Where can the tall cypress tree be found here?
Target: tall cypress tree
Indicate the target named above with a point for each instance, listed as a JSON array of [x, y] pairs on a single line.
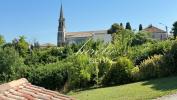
[[121, 25], [128, 26], [140, 27], [174, 29]]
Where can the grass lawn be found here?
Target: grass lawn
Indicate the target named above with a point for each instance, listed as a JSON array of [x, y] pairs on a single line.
[[136, 91]]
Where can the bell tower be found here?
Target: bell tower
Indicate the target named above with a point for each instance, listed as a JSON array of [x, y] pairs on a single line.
[[61, 29]]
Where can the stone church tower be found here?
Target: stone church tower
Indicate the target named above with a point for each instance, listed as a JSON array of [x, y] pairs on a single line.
[[61, 29]]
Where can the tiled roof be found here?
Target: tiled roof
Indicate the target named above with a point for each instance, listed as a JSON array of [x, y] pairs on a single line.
[[84, 34], [79, 34], [23, 90], [153, 29]]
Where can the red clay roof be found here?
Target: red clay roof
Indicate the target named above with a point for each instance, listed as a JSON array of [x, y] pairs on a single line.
[[23, 90], [153, 29]]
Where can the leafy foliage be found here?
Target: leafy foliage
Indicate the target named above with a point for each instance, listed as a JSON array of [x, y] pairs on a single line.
[[93, 63], [119, 72], [21, 45], [51, 76], [104, 65], [115, 28], [2, 40], [81, 71], [11, 64], [122, 43], [141, 38], [150, 68]]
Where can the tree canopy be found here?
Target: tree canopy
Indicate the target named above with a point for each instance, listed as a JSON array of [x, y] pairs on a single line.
[[115, 28]]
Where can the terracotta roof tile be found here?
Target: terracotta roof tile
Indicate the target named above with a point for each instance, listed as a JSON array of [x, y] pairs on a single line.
[[23, 90], [153, 29]]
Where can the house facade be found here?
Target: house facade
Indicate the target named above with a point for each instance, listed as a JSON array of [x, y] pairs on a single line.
[[157, 33]]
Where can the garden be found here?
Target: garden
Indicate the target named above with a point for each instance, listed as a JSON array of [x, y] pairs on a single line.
[[130, 57]]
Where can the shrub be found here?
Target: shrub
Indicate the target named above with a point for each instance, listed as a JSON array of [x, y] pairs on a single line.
[[42, 56], [150, 68], [104, 66], [170, 60], [81, 71], [173, 53], [168, 67], [119, 72], [141, 38], [135, 74], [140, 53], [51, 76]]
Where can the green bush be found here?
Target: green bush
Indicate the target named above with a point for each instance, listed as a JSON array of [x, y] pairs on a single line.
[[150, 68], [51, 76], [141, 53], [170, 60], [11, 65], [38, 57], [81, 71], [104, 66], [119, 72], [135, 74], [141, 38], [173, 53]]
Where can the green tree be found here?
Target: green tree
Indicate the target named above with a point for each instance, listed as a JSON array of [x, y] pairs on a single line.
[[128, 26], [122, 43], [11, 64], [140, 27], [121, 24], [21, 45], [141, 38], [2, 40], [115, 28], [174, 29]]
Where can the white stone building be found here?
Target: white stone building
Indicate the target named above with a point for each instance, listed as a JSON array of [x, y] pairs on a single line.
[[77, 37]]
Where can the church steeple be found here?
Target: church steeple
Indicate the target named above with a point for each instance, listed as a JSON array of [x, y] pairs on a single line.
[[61, 29], [61, 12]]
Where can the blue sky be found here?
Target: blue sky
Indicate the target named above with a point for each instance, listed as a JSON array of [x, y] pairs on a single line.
[[38, 19]]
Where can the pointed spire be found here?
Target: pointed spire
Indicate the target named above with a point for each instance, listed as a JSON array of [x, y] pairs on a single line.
[[61, 13], [61, 29]]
